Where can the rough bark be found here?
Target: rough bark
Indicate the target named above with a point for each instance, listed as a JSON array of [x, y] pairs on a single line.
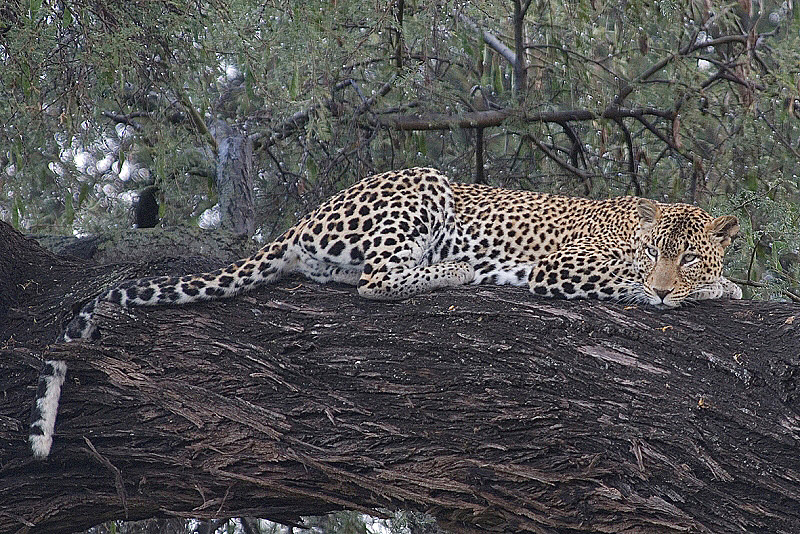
[[484, 406], [146, 245]]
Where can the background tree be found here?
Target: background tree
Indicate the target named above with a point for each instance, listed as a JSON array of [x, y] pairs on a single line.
[[684, 101], [687, 101]]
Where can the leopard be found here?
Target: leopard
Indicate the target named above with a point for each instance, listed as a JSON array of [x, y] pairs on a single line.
[[401, 233]]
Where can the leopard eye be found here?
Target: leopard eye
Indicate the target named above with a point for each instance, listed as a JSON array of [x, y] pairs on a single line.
[[652, 252], [689, 258]]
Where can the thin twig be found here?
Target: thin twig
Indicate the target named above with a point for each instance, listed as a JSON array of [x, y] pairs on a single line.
[[197, 120], [752, 283], [778, 134]]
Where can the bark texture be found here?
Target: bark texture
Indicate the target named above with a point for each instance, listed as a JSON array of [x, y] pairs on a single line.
[[487, 407]]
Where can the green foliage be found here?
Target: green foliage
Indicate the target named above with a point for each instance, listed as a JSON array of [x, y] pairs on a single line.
[[767, 250], [102, 98]]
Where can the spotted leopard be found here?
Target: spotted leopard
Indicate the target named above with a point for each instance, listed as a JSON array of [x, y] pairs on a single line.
[[397, 234]]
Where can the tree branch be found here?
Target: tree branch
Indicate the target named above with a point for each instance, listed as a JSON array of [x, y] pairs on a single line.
[[655, 131], [300, 118], [197, 120], [487, 407], [585, 176], [520, 64], [631, 157], [489, 38], [480, 174], [128, 118], [692, 46], [484, 119]]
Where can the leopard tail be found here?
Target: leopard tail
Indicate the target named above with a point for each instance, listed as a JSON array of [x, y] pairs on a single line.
[[267, 265]]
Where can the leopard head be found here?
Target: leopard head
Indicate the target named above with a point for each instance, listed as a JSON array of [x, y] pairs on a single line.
[[679, 251]]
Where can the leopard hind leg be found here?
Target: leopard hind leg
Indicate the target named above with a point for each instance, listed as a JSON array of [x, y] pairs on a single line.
[[397, 280]]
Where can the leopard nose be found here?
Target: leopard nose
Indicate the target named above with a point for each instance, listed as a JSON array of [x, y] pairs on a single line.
[[662, 293]]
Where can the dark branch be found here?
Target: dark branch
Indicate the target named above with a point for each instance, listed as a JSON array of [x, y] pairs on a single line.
[[297, 121], [582, 174], [637, 188], [480, 174], [484, 119], [692, 46], [128, 118]]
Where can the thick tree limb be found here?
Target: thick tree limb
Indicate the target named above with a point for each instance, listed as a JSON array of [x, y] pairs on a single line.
[[489, 408], [444, 121]]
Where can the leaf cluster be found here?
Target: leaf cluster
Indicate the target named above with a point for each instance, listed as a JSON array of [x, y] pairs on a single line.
[[679, 101]]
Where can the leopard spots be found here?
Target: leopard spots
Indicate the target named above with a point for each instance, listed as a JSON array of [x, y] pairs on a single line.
[[397, 234], [407, 221]]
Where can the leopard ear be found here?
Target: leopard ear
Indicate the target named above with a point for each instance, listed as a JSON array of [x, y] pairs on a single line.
[[649, 212], [723, 229]]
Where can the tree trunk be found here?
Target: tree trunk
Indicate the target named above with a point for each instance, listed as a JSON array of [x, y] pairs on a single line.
[[521, 58], [234, 179], [485, 406]]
